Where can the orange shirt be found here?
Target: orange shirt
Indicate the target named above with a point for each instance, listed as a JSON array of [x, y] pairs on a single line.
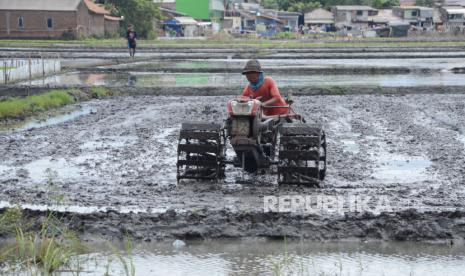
[[267, 91]]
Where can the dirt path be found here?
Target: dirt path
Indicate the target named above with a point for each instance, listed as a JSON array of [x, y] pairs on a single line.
[[408, 150]]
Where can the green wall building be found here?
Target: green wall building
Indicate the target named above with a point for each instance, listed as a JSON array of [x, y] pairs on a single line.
[[201, 9]]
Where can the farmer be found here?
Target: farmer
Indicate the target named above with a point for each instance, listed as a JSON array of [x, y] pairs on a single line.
[[131, 36], [263, 88]]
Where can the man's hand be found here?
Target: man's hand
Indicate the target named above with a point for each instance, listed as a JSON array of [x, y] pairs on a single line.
[[270, 102]]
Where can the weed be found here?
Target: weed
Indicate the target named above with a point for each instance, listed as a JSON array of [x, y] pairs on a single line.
[[52, 248], [22, 107], [128, 265], [100, 92], [10, 220]]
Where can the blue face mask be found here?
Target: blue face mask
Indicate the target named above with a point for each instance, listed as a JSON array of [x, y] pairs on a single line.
[[259, 83]]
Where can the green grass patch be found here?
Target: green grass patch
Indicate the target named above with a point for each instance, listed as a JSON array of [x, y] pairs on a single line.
[[100, 92], [282, 40], [22, 107]]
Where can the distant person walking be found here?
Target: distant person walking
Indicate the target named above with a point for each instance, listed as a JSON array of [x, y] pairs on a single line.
[[131, 36]]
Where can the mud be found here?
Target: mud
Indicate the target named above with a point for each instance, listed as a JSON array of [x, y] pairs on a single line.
[[25, 90], [406, 149], [213, 52], [258, 55]]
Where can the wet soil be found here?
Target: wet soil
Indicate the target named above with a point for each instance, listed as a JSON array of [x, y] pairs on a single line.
[[214, 52], [407, 150]]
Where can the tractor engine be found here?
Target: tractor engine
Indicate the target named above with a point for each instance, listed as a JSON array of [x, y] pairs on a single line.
[[250, 136]]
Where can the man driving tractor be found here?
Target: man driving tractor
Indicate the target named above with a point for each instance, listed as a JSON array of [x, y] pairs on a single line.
[[264, 89]]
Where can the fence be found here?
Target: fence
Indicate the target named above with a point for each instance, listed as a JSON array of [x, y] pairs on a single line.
[[13, 70]]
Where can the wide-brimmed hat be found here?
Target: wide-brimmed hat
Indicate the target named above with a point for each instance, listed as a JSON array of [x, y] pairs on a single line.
[[252, 66]]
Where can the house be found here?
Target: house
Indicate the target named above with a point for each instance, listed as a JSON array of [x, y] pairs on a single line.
[[248, 21], [232, 23], [453, 18], [201, 9], [415, 15], [352, 16], [290, 19], [437, 19], [180, 27], [54, 19], [453, 3], [319, 18], [399, 29], [267, 25], [383, 18]]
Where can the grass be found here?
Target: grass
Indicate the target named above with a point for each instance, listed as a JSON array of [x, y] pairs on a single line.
[[20, 108], [43, 252], [241, 42], [51, 249], [99, 92]]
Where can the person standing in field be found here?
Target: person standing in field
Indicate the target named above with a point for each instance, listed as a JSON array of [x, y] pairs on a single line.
[[131, 36]]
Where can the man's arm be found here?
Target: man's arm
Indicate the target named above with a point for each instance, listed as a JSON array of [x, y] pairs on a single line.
[[274, 93], [246, 92]]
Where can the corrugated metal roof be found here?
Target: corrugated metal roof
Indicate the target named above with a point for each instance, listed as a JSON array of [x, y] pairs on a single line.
[[319, 21], [414, 8], [112, 18], [319, 16], [40, 5], [384, 16], [186, 20], [170, 11], [455, 10], [96, 8], [354, 8], [454, 2]]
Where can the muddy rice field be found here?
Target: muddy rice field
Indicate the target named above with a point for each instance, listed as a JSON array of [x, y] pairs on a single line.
[[108, 167]]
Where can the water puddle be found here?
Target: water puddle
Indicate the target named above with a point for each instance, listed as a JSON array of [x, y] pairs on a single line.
[[54, 120], [45, 169], [85, 209], [420, 63], [162, 137], [167, 160], [461, 138], [350, 144], [401, 169], [5, 169], [161, 79], [265, 257]]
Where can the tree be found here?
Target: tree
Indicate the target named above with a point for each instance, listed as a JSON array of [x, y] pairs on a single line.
[[140, 13], [424, 3], [270, 4], [384, 4], [304, 7]]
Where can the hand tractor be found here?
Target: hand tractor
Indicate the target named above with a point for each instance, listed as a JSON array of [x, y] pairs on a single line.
[[295, 149]]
